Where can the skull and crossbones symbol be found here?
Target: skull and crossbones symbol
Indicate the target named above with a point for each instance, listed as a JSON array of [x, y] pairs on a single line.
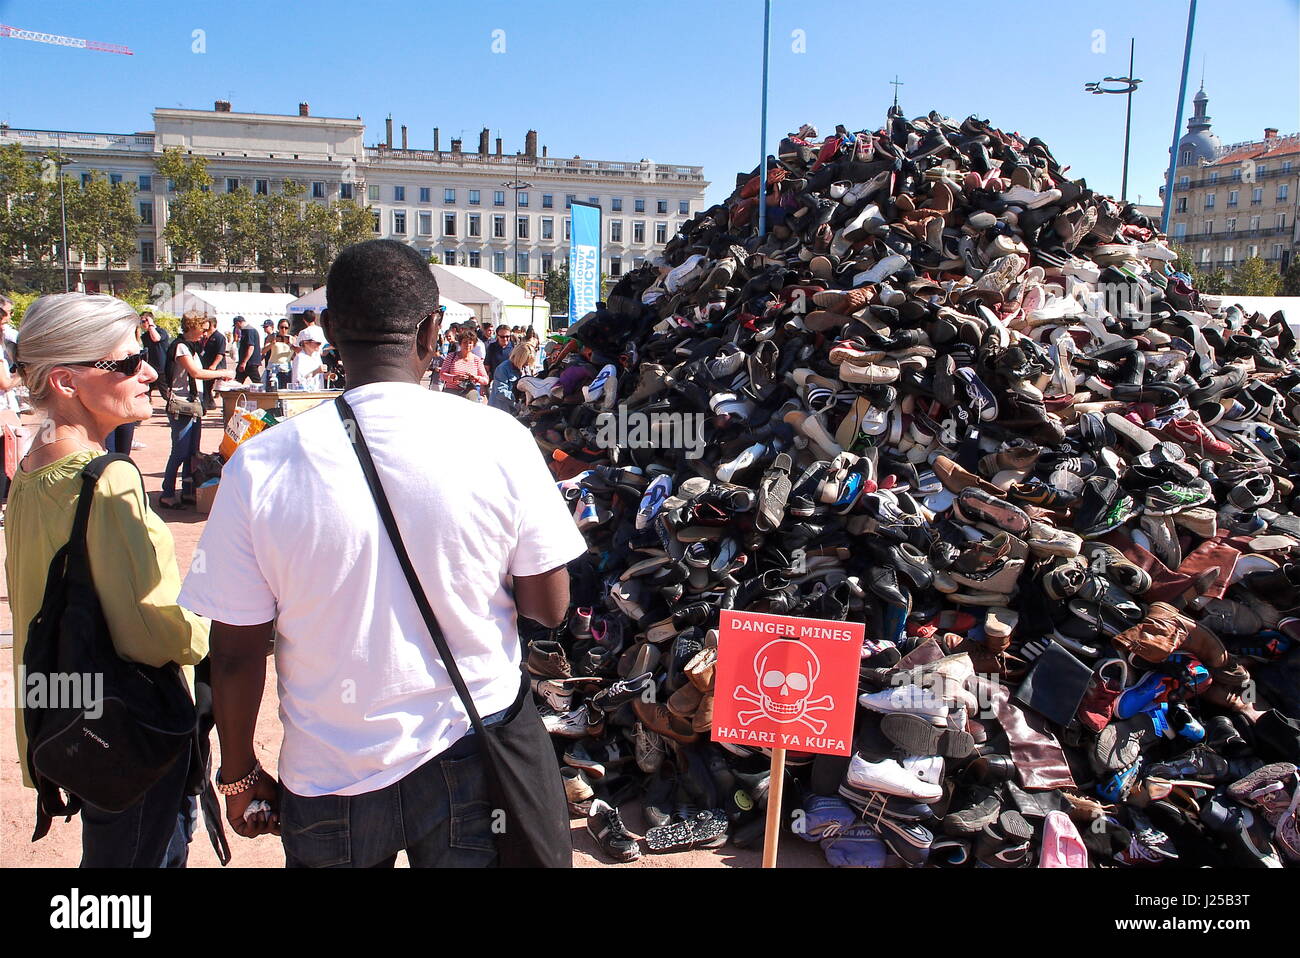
[[785, 671]]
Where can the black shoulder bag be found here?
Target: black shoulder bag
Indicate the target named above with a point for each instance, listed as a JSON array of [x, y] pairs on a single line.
[[110, 751], [523, 777]]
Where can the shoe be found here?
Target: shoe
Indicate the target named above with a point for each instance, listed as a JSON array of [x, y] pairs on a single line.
[[891, 778], [606, 826], [909, 700], [577, 790]]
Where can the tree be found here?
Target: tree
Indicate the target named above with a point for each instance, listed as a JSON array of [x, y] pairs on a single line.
[[29, 216], [1212, 284], [557, 287], [102, 217], [194, 223], [1291, 278], [1255, 278]]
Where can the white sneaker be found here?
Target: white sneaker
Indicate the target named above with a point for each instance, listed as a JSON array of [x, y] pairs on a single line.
[[928, 768], [576, 723], [1030, 199], [909, 700], [890, 777], [555, 693]]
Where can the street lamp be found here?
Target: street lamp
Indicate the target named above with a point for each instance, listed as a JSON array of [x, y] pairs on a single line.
[[517, 184], [1125, 85]]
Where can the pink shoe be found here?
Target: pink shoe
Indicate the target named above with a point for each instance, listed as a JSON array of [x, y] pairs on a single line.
[[1062, 845]]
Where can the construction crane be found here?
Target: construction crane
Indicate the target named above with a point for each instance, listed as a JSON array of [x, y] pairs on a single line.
[[17, 33]]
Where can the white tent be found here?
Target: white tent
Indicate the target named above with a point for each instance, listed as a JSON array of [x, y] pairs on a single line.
[[224, 306], [455, 312], [491, 296]]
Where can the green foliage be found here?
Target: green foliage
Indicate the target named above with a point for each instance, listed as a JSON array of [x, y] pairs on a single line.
[[1212, 284], [1255, 278], [21, 301], [1291, 278]]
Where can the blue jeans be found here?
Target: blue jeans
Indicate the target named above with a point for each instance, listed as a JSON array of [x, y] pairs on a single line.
[[185, 446], [155, 832], [439, 813]]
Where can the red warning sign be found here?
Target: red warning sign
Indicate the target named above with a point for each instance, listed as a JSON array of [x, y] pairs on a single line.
[[785, 682]]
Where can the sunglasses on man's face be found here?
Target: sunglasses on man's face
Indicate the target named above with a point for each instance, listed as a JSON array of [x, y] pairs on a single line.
[[127, 367]]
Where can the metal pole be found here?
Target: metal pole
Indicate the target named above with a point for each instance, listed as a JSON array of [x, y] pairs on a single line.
[[1128, 125], [762, 146], [63, 215], [1178, 122]]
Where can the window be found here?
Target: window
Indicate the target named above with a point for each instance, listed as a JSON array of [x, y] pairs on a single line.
[[1261, 169], [448, 224], [1183, 182], [424, 221], [548, 262], [1209, 200], [638, 206], [661, 232], [499, 198], [1257, 196], [399, 221], [473, 198], [475, 258], [475, 224], [399, 194], [1283, 190], [85, 181], [1214, 176], [521, 264], [498, 262], [523, 199], [146, 251], [263, 187], [616, 266], [1180, 231], [521, 227], [1254, 223], [146, 181], [1228, 254], [449, 257], [317, 189], [1182, 204], [345, 191], [375, 214], [593, 200], [146, 214], [568, 200], [1205, 254], [171, 186], [1236, 175], [1286, 166], [114, 179], [1232, 197], [372, 193], [1184, 157], [548, 201], [616, 231], [1208, 227], [1279, 221], [661, 207], [638, 231], [1252, 252], [1232, 224], [498, 227], [567, 228], [616, 204], [1277, 251], [448, 195], [548, 227]]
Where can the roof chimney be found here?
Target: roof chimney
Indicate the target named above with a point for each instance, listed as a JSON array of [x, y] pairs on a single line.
[[221, 106], [455, 144], [1270, 133], [530, 143], [388, 123], [303, 110], [544, 150], [498, 146], [403, 136], [435, 139], [483, 142]]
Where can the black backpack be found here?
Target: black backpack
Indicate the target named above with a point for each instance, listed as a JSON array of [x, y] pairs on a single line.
[[107, 752]]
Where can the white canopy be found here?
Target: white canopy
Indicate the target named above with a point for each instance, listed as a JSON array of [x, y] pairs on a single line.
[[456, 312], [224, 306], [491, 296]]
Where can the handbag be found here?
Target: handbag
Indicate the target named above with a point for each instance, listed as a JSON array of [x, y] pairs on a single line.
[[107, 752], [175, 405], [522, 776]]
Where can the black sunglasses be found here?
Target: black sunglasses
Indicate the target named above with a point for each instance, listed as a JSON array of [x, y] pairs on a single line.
[[127, 367]]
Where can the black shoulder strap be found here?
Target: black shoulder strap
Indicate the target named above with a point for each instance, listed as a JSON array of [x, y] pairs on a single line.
[[89, 477], [353, 429]]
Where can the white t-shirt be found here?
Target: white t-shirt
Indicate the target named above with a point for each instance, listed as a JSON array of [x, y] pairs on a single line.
[[304, 371], [294, 536], [480, 351]]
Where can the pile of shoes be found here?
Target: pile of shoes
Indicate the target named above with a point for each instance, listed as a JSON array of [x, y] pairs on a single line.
[[964, 399]]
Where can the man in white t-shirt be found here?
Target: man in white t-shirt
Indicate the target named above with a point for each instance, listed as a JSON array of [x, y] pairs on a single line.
[[375, 755]]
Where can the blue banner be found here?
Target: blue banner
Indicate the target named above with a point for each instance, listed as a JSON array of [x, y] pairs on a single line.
[[584, 259]]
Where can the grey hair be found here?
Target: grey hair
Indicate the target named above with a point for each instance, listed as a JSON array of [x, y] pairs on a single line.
[[70, 328]]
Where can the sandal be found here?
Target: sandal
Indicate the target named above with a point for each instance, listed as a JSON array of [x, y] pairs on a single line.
[[176, 504]]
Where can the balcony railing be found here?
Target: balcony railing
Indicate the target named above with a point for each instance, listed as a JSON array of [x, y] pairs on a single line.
[[1234, 182], [62, 140]]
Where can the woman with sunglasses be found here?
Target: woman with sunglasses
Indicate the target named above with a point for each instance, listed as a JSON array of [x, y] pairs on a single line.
[[85, 368], [185, 410]]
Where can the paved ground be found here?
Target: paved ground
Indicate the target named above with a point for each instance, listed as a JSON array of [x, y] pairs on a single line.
[[62, 847]]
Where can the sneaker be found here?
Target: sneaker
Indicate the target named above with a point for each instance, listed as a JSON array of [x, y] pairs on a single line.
[[649, 749], [606, 826], [909, 700], [890, 777], [577, 790]]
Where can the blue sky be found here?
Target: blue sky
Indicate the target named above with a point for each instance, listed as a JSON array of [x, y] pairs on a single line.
[[676, 81]]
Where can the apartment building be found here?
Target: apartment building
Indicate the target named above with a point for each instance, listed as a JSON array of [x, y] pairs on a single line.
[[506, 212]]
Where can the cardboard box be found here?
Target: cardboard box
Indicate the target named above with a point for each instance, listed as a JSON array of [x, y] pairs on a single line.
[[203, 497]]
